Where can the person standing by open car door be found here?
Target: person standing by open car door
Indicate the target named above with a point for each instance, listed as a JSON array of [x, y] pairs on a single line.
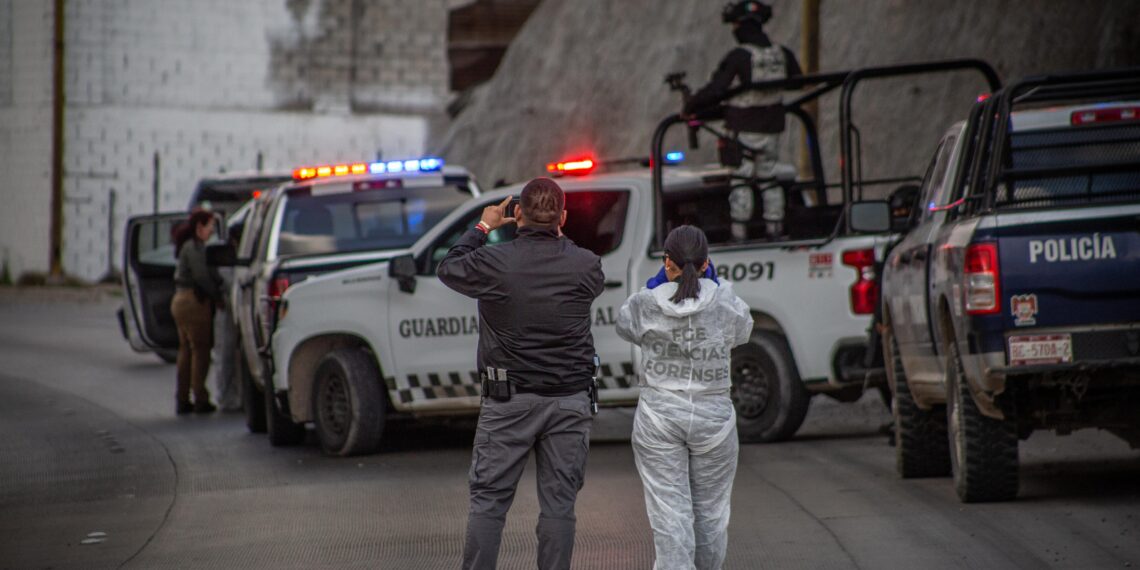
[[197, 290], [684, 433]]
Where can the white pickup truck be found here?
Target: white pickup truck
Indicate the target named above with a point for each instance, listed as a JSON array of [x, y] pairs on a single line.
[[356, 345]]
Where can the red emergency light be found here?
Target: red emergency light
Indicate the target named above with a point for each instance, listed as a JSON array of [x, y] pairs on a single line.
[[578, 166], [1092, 116]]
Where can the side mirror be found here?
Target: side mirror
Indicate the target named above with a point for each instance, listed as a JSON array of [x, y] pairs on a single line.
[[871, 217], [903, 201], [403, 270], [221, 255]]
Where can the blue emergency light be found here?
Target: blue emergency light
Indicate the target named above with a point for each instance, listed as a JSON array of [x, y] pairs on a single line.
[[429, 164]]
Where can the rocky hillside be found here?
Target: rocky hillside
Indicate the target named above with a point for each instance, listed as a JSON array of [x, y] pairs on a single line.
[[586, 75]]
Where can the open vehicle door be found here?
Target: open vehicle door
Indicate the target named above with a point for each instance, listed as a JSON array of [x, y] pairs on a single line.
[[148, 282]]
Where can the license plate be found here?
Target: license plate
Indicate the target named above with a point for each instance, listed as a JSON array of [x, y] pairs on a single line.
[[1040, 349]]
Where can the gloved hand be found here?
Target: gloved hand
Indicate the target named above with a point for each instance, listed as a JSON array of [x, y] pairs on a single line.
[[660, 278]]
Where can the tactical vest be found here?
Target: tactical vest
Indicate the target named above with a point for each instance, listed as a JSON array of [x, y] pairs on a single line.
[[768, 63], [760, 111]]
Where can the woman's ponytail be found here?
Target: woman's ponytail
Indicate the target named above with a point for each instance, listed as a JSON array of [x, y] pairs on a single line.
[[688, 248], [689, 285]]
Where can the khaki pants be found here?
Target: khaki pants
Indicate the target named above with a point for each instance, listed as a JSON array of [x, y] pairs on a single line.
[[195, 322]]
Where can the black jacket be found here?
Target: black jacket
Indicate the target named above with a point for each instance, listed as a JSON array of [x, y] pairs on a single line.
[[535, 295], [735, 70]]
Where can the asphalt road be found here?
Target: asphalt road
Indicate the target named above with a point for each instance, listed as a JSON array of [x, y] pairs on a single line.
[[96, 471]]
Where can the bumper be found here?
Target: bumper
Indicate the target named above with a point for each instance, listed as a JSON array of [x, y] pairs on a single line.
[[1002, 373]]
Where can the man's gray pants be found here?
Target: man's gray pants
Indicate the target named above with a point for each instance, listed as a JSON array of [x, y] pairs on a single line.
[[558, 429]]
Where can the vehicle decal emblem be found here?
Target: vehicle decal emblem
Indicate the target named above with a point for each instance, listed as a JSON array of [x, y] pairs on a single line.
[[820, 265], [1024, 309]]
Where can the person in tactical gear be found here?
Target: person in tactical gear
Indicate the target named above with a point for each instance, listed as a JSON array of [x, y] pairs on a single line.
[[754, 118], [536, 354]]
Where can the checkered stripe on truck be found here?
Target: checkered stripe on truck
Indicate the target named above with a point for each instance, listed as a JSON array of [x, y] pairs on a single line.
[[433, 385]]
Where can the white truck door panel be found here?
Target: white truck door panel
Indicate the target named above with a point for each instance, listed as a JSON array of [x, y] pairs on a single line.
[[433, 333]]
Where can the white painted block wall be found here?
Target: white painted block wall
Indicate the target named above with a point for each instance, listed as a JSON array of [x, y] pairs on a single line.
[[207, 85]]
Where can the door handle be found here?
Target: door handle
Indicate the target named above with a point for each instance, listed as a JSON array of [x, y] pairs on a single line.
[[613, 284]]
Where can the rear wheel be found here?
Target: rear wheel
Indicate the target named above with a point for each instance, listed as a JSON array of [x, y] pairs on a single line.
[[279, 424], [769, 396], [922, 448], [348, 403], [984, 450], [166, 355]]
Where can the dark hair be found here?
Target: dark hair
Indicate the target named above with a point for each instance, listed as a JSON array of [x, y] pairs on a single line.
[[688, 247], [542, 202], [183, 232]]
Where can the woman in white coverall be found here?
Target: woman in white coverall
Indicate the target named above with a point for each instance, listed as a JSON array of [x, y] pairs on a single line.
[[684, 433]]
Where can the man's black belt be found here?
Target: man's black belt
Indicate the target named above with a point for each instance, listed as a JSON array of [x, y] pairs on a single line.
[[564, 390]]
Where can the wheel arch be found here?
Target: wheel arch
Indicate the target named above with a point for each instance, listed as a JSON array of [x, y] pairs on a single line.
[[762, 321], [303, 364]]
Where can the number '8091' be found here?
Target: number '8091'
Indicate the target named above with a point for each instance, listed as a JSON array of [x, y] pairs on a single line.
[[754, 271]]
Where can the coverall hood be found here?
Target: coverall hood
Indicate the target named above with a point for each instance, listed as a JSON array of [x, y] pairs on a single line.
[[665, 292]]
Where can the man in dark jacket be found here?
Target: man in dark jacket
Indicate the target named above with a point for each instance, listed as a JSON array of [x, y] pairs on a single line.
[[755, 118], [536, 355]]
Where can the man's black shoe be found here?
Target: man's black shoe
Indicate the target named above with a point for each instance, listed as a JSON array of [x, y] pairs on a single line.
[[204, 408], [184, 408]]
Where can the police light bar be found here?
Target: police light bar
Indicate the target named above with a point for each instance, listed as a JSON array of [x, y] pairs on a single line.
[[412, 165], [1104, 115], [578, 166], [674, 157]]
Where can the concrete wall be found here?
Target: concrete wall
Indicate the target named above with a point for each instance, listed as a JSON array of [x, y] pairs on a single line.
[[586, 76], [207, 86]]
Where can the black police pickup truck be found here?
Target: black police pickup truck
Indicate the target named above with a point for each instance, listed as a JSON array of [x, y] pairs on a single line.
[[1013, 303]]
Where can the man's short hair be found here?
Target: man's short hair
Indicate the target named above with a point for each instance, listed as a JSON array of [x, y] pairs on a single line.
[[542, 202]]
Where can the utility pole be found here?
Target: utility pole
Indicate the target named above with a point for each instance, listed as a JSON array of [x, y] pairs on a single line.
[[809, 58], [110, 276], [55, 260]]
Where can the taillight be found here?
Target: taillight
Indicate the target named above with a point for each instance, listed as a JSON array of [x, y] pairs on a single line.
[[983, 279], [277, 287], [865, 290]]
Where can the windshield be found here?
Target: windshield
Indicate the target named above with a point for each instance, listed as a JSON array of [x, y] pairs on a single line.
[[385, 218]]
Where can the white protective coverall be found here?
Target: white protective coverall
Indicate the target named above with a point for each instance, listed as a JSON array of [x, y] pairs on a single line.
[[684, 433]]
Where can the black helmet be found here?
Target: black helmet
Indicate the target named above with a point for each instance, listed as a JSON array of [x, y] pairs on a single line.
[[738, 12]]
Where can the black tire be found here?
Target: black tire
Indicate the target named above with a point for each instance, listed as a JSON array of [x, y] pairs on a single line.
[[167, 356], [922, 447], [348, 403], [983, 450], [278, 422], [252, 398], [769, 397]]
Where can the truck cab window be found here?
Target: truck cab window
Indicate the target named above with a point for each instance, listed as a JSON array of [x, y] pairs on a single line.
[[595, 220]]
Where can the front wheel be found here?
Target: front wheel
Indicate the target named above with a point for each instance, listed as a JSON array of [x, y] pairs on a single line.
[[769, 396], [348, 403], [984, 449], [279, 424]]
